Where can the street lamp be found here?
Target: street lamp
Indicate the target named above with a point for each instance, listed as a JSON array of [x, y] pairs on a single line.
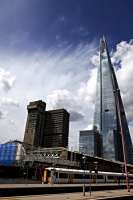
[[52, 176], [90, 182], [84, 159], [96, 169]]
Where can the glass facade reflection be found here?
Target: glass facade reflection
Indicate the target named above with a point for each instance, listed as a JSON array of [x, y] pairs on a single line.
[[90, 143], [106, 110]]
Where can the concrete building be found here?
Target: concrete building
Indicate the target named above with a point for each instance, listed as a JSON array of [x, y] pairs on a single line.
[[90, 143], [46, 128], [56, 128], [35, 123]]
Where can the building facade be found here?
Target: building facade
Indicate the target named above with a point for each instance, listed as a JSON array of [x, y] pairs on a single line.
[[90, 143], [109, 118], [56, 128], [46, 128], [35, 123]]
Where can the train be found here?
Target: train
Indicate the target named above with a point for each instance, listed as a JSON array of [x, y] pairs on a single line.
[[53, 175]]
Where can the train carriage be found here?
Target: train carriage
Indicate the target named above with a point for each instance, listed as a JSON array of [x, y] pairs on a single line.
[[61, 175]]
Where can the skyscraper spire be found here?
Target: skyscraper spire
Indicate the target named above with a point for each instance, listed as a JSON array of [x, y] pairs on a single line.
[[109, 117]]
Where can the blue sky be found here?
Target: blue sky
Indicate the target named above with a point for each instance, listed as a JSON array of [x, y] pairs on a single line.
[[49, 51], [43, 24]]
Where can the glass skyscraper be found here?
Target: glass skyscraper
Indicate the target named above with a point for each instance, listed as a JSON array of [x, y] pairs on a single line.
[[109, 117], [90, 143]]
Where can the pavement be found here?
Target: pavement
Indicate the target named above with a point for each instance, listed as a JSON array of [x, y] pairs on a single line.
[[54, 185], [99, 195]]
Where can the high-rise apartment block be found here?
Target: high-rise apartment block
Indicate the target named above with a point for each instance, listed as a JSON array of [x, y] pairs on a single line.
[[109, 118], [46, 128], [56, 128], [35, 123], [90, 142]]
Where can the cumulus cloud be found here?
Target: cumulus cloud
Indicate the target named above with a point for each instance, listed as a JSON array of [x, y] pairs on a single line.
[[64, 79], [68, 100], [80, 104], [124, 56], [55, 76], [6, 79]]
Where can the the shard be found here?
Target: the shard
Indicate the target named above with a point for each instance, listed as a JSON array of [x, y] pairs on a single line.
[[109, 117]]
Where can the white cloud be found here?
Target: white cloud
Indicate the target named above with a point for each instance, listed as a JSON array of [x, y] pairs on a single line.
[[55, 76], [9, 101], [63, 78], [6, 79], [80, 104], [124, 56]]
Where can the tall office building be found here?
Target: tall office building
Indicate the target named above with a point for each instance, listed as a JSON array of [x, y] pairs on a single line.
[[90, 143], [35, 123], [46, 128], [56, 128], [109, 118]]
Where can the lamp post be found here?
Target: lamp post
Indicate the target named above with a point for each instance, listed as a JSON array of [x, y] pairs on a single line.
[[96, 169], [90, 182], [84, 159]]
